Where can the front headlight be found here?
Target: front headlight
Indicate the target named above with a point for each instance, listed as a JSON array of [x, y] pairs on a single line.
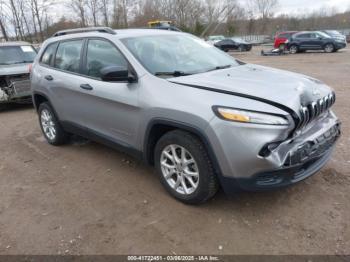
[[245, 116]]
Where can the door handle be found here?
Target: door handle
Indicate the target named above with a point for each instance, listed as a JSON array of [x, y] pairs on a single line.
[[49, 78], [86, 87]]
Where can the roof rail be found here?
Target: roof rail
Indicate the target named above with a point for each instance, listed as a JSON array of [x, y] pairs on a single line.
[[107, 30]]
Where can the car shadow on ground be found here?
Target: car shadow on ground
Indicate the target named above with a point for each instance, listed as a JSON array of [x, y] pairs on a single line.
[[14, 107]]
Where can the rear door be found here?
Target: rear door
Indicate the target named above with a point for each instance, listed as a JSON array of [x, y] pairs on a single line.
[[63, 78]]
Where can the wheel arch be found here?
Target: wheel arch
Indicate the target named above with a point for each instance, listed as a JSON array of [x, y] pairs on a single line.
[[39, 98], [158, 127]]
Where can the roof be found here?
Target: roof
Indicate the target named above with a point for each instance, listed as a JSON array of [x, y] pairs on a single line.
[[142, 32], [120, 33], [15, 43]]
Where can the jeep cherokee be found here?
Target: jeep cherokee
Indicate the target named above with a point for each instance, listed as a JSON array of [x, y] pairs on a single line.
[[201, 117]]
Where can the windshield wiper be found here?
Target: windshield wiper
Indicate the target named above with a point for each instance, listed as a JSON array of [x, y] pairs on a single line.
[[174, 73], [16, 62], [219, 67], [22, 62]]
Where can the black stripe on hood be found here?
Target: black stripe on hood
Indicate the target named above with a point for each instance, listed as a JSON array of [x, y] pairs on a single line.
[[278, 105]]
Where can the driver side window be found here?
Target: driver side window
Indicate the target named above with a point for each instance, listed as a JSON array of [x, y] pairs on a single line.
[[100, 54]]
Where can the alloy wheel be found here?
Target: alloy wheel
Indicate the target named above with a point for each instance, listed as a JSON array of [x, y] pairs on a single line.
[[329, 48], [293, 49], [179, 169], [48, 124]]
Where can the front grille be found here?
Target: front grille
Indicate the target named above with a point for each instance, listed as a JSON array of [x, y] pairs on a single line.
[[315, 148], [311, 111]]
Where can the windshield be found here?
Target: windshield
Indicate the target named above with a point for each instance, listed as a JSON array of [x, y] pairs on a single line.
[[324, 35], [177, 54], [238, 39], [333, 32], [216, 37], [16, 54]]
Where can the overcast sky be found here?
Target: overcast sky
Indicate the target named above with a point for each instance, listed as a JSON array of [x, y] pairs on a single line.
[[306, 6], [285, 6]]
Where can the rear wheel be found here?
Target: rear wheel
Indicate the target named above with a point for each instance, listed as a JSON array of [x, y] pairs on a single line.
[[184, 167], [293, 49], [329, 48], [50, 126]]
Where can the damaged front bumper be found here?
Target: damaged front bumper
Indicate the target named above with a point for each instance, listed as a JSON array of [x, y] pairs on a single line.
[[15, 88], [301, 163], [244, 167]]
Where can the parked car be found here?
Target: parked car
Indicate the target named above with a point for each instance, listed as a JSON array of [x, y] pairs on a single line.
[[281, 39], [335, 34], [348, 38], [201, 117], [15, 62], [316, 40], [234, 43]]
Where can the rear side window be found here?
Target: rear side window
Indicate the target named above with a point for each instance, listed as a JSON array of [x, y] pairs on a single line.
[[68, 56], [283, 36], [304, 36], [49, 54], [100, 54]]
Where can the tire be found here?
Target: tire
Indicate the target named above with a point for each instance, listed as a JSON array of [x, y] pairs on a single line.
[[205, 184], [50, 126], [329, 48], [241, 48], [293, 49]]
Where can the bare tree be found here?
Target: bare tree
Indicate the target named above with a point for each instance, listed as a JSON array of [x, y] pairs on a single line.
[[79, 6], [105, 5], [3, 30], [93, 6], [2, 21], [264, 10]]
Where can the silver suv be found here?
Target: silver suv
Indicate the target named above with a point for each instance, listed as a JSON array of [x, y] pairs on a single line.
[[201, 117]]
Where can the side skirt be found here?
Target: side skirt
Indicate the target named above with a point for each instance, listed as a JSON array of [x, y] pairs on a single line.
[[102, 139]]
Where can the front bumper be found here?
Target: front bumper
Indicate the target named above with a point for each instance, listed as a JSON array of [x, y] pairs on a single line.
[[14, 88], [290, 162], [340, 45]]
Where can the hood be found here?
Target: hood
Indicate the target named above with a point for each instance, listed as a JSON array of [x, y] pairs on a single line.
[[261, 83], [15, 69]]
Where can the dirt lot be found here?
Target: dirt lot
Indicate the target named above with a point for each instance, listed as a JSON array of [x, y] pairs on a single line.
[[85, 198]]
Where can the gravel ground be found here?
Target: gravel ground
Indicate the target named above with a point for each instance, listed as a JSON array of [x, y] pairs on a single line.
[[85, 198]]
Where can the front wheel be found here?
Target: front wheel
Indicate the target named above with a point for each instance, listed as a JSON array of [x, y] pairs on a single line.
[[329, 48], [241, 48], [184, 167], [50, 126]]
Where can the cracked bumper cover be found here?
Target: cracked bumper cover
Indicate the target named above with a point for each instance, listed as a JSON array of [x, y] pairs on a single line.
[[291, 162]]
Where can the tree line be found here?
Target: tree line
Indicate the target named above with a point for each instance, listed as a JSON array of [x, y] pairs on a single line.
[[35, 20]]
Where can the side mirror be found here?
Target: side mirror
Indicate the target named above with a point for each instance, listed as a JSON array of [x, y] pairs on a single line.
[[117, 74]]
